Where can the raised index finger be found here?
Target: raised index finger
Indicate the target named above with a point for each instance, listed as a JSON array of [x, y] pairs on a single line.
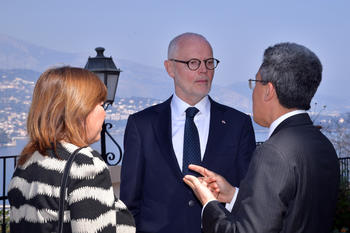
[[201, 170]]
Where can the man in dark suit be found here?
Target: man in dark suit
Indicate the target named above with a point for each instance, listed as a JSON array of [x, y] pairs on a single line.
[[156, 154], [292, 181]]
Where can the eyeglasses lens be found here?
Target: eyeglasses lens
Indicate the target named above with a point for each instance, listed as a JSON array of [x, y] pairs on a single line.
[[194, 64]]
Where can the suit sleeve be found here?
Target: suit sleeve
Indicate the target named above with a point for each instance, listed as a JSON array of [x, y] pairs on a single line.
[[246, 147], [132, 169], [262, 199]]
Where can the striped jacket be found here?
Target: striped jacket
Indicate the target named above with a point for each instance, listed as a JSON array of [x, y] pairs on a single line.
[[90, 202]]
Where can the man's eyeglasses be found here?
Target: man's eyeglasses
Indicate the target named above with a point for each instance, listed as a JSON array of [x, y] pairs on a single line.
[[253, 81], [194, 63]]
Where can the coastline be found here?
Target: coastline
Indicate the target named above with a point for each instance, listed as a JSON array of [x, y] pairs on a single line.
[[13, 142], [8, 144]]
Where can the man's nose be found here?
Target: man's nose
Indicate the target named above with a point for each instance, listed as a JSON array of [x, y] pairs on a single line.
[[202, 68]]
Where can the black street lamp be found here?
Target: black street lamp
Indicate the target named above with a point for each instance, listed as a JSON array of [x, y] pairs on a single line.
[[106, 70]]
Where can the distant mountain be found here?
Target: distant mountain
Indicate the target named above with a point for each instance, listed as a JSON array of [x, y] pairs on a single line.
[[135, 79], [333, 103], [143, 81], [17, 54], [28, 75]]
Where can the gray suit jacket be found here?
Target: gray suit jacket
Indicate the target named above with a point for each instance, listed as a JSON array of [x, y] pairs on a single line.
[[291, 185]]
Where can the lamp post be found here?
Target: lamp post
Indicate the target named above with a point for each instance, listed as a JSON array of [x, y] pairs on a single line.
[[106, 70]]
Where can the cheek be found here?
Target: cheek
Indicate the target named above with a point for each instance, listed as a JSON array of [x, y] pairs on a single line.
[[101, 116], [211, 74], [182, 83], [255, 103], [210, 80], [253, 98]]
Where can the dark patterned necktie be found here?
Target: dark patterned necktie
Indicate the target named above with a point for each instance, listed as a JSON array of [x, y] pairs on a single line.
[[191, 151]]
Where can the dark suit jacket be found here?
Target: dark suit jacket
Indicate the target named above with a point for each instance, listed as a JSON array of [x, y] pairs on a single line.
[[291, 185], [151, 179]]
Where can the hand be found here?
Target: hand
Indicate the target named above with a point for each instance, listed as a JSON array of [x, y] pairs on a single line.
[[218, 185], [199, 187]]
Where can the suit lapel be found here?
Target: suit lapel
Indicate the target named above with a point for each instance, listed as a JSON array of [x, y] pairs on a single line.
[[162, 129]]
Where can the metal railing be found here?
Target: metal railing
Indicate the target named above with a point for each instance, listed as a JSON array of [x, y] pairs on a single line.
[[3, 196], [345, 170], [343, 162]]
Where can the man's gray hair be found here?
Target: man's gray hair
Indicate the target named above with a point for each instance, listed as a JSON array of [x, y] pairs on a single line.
[[295, 72], [173, 45]]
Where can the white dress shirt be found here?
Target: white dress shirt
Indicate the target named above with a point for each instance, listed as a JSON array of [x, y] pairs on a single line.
[[178, 119]]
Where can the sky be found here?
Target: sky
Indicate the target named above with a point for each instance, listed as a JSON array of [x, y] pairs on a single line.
[[140, 31]]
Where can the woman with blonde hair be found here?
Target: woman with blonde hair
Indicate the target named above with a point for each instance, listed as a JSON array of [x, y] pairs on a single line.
[[66, 113]]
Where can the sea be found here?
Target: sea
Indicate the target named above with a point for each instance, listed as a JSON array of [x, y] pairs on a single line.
[[260, 136]]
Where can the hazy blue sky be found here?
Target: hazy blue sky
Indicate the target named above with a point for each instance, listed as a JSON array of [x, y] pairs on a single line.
[[140, 31]]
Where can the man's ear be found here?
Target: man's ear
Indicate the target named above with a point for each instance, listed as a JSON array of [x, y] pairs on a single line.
[[169, 68], [270, 91]]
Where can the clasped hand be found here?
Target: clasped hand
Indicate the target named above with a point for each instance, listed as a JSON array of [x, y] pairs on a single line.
[[210, 186]]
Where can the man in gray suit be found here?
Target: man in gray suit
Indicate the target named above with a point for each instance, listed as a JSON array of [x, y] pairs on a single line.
[[292, 181]]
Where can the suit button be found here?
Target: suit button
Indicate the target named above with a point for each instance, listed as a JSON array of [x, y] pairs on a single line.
[[191, 203]]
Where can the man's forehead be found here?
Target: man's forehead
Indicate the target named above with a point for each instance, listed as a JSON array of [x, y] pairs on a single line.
[[192, 47]]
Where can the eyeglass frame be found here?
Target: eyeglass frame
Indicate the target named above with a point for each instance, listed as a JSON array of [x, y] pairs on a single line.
[[264, 82], [200, 62]]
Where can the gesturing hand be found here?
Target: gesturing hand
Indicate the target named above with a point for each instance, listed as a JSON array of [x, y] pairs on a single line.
[[222, 190], [200, 188]]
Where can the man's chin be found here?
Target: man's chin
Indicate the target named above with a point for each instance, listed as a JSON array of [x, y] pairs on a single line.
[[203, 91], [260, 122]]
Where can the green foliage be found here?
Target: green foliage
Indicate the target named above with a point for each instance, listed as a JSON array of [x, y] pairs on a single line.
[[7, 221], [344, 229], [342, 214]]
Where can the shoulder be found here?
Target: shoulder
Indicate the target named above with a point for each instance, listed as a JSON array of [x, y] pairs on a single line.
[[87, 164], [152, 111], [295, 136], [284, 146]]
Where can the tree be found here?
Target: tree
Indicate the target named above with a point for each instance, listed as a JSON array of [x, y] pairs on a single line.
[[338, 131]]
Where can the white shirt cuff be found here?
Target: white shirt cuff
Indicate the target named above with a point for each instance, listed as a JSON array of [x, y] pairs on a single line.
[[229, 206]]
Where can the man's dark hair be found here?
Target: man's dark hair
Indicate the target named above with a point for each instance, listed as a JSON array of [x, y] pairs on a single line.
[[295, 71]]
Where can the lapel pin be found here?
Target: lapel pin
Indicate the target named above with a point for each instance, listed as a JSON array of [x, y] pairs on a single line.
[[222, 121]]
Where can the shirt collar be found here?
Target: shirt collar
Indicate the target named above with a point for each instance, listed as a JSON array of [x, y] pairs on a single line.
[[178, 106], [279, 120]]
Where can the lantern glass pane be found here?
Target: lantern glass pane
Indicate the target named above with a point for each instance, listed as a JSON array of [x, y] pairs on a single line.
[[112, 82], [101, 76]]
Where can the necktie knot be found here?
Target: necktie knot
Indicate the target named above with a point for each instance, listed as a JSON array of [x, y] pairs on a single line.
[[191, 112]]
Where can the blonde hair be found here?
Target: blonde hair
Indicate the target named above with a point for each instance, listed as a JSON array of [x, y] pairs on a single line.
[[62, 99]]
